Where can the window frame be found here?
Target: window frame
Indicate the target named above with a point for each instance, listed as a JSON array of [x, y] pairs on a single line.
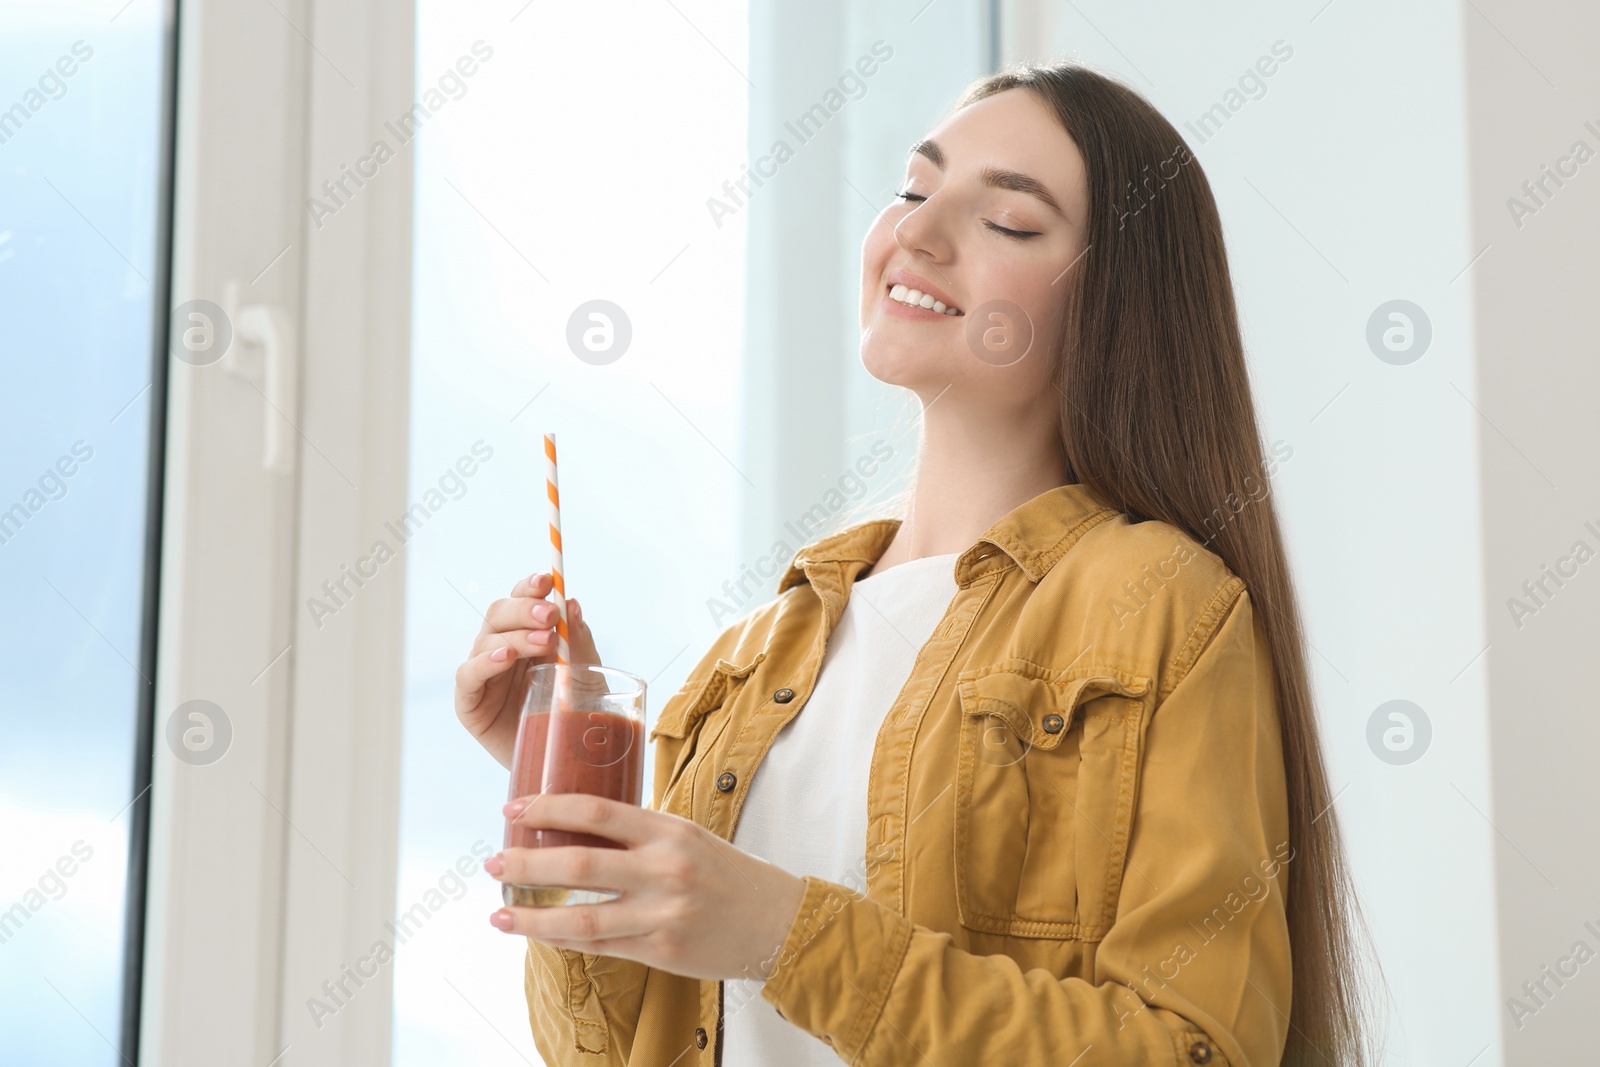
[[270, 869]]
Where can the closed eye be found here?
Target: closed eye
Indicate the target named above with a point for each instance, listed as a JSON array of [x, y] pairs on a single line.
[[1019, 235]]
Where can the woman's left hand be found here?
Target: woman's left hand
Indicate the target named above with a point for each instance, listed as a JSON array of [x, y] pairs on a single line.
[[691, 903]]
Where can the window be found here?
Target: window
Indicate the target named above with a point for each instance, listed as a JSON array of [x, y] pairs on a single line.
[[544, 183], [84, 125]]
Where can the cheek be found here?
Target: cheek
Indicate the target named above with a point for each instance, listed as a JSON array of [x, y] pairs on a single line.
[[1045, 309], [1040, 301], [876, 248], [1040, 306]]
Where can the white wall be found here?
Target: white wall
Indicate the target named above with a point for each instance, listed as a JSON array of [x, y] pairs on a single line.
[[1533, 93]]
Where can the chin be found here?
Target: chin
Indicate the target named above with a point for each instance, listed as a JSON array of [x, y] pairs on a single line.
[[907, 366]]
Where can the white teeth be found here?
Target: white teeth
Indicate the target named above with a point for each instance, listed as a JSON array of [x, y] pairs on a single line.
[[917, 298]]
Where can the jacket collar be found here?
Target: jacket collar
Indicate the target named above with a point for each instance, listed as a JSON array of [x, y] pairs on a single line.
[[1034, 535]]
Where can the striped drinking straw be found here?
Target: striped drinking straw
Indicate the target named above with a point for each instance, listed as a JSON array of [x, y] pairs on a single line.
[[563, 654]]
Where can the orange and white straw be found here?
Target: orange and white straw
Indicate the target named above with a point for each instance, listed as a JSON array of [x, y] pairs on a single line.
[[563, 652]]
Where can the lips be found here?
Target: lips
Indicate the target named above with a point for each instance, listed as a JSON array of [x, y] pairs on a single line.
[[922, 285]]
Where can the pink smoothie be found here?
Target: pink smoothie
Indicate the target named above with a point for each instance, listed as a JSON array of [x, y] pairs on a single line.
[[594, 752]]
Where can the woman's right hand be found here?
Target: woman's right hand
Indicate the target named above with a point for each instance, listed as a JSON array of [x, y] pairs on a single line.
[[517, 631]]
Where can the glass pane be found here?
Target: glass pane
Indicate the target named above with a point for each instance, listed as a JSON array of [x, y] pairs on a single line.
[[543, 183], [82, 117]]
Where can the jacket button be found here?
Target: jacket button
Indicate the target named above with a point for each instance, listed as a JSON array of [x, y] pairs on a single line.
[[1200, 1052], [784, 695], [725, 782], [699, 1037], [1053, 725]]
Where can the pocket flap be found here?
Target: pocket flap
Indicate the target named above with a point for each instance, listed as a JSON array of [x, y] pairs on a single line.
[[700, 695], [1027, 695]]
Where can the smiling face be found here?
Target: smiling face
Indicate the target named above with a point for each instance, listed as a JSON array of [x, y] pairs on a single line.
[[992, 213]]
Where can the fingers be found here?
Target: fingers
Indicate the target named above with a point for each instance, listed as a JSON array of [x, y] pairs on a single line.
[[530, 604], [626, 824], [574, 866], [540, 587], [581, 636], [526, 622], [537, 585], [589, 928], [530, 625], [521, 613], [476, 672], [525, 642], [525, 607]]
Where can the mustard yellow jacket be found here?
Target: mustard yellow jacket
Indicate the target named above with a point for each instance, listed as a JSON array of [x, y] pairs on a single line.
[[1077, 824]]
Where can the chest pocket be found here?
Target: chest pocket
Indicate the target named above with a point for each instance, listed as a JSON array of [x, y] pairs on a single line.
[[683, 725], [1047, 769]]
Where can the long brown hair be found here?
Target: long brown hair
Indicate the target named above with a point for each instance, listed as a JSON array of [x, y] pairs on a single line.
[[1157, 418]]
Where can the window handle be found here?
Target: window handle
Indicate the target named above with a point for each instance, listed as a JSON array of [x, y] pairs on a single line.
[[265, 354]]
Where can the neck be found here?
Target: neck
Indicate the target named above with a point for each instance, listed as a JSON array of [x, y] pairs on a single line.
[[972, 469]]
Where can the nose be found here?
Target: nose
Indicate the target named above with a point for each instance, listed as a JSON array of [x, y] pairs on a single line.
[[921, 230]]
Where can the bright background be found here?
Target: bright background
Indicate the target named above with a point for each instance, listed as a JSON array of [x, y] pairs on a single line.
[[556, 180], [78, 187], [575, 165]]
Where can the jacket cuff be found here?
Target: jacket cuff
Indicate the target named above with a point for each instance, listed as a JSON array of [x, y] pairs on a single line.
[[557, 981], [833, 973]]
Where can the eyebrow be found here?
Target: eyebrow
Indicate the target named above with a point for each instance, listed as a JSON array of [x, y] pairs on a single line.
[[994, 177]]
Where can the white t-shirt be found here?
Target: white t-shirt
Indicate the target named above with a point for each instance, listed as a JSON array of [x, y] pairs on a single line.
[[807, 806]]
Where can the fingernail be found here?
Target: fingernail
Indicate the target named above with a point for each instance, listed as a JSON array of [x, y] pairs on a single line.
[[495, 865], [513, 807], [499, 655], [501, 920], [577, 612]]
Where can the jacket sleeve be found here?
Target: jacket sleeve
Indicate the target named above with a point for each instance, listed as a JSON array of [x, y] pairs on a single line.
[[1195, 967], [584, 1009]]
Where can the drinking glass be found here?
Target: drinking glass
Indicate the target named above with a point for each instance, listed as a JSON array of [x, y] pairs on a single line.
[[581, 731]]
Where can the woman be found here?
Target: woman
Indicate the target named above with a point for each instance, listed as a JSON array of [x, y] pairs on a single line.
[[1057, 794]]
